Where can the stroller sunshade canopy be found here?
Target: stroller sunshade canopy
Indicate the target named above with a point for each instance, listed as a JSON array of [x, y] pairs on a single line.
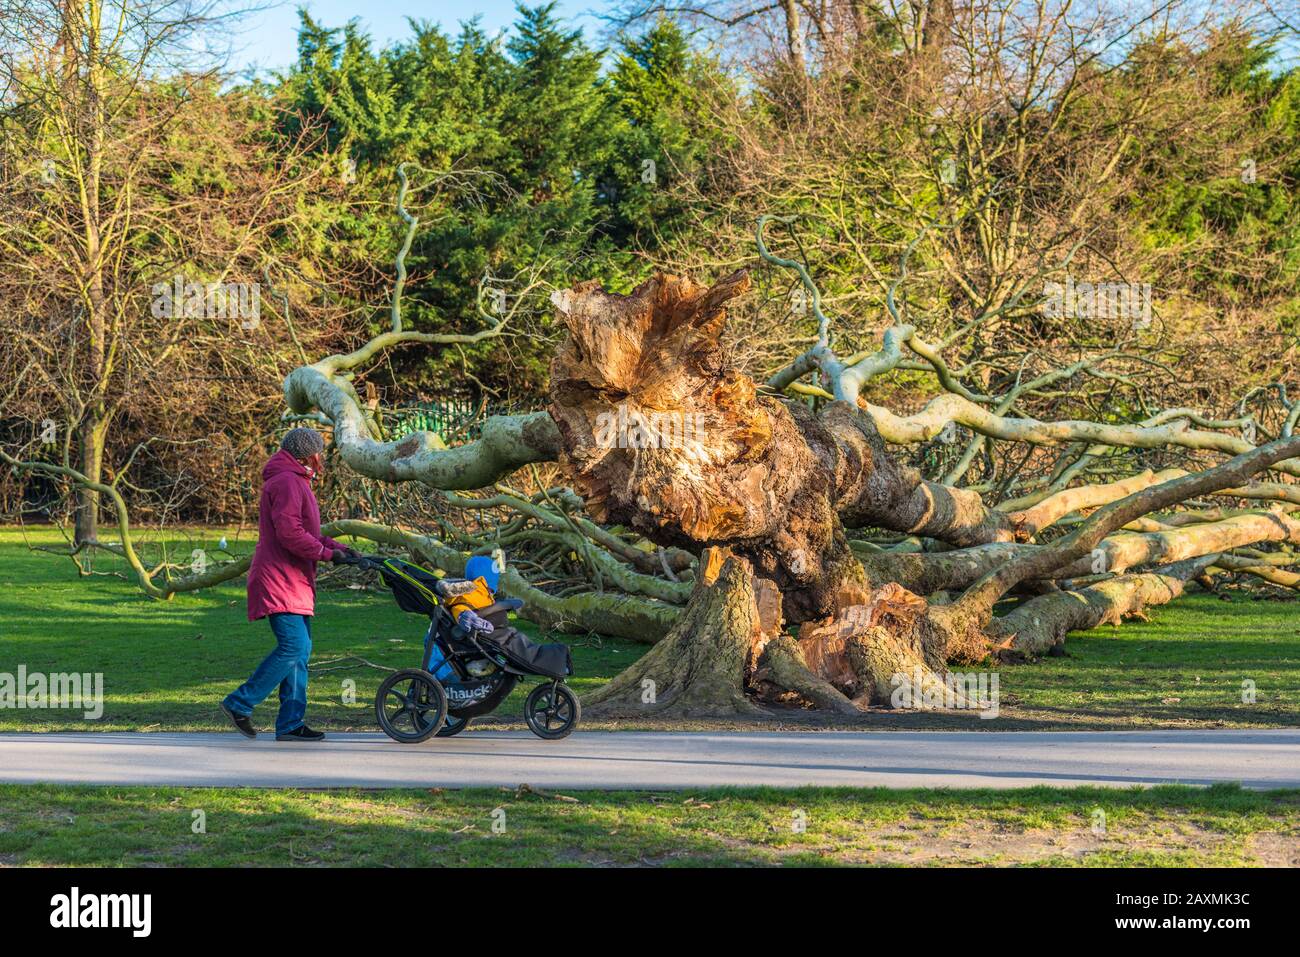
[[412, 586]]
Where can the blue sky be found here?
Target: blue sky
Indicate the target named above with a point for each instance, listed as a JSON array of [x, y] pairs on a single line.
[[267, 38]]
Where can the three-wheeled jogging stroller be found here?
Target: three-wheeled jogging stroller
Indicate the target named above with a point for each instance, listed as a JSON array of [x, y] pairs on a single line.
[[474, 672]]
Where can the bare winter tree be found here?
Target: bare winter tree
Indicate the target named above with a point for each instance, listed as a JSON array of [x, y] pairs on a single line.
[[141, 222]]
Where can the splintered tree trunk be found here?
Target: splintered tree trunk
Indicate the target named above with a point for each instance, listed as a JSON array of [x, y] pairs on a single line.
[[661, 435], [871, 650]]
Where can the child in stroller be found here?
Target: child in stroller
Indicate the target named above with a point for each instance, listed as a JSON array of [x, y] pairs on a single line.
[[473, 658]]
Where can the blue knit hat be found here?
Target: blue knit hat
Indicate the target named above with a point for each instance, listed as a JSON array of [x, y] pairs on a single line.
[[484, 567]]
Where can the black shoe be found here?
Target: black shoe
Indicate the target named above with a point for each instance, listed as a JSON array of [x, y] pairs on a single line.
[[302, 733], [241, 722]]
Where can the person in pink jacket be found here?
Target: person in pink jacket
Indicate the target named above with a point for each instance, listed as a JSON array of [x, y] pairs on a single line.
[[282, 585]]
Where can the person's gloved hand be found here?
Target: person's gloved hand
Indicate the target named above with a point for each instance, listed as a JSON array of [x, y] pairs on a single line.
[[451, 587], [339, 555], [352, 553], [472, 622]]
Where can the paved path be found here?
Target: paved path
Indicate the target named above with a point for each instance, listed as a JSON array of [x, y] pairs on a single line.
[[641, 760]]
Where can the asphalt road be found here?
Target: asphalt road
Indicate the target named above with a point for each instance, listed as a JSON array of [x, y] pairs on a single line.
[[656, 760]]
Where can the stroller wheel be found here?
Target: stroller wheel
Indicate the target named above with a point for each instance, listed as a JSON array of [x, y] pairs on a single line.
[[411, 706], [552, 711], [453, 725]]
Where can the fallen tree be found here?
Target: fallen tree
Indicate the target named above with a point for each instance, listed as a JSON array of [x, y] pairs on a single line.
[[775, 552], [776, 485]]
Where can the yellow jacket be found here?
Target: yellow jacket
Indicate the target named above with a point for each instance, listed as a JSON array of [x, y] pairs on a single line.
[[480, 597]]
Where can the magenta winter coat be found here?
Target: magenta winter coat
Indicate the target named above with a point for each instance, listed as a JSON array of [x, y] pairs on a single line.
[[282, 577]]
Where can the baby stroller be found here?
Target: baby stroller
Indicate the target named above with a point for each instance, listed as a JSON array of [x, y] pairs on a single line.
[[473, 672]]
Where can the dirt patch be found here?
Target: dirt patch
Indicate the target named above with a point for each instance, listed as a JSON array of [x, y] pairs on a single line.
[[924, 843], [965, 844], [1274, 849]]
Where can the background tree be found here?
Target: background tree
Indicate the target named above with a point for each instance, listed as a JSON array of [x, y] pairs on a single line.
[[116, 182]]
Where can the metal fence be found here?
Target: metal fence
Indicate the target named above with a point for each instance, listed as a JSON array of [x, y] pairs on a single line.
[[456, 419]]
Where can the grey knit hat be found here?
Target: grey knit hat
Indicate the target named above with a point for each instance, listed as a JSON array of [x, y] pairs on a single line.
[[302, 442]]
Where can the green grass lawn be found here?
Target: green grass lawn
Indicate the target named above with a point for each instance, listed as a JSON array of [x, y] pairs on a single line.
[[1166, 826], [167, 664]]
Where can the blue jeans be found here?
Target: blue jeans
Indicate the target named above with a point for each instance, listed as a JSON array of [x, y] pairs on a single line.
[[286, 667]]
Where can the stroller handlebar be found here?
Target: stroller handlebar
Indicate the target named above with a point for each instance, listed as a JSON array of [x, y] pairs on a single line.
[[377, 563], [366, 562]]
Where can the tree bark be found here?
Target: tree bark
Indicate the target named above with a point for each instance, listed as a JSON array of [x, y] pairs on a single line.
[[700, 667], [94, 421], [794, 36], [660, 435], [90, 443], [1041, 624]]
